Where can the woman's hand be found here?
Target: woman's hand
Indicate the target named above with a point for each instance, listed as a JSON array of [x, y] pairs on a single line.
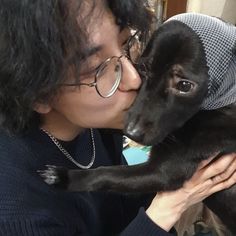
[[167, 207]]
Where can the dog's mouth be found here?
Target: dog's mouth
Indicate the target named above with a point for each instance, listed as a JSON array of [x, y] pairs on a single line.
[[143, 134], [134, 132]]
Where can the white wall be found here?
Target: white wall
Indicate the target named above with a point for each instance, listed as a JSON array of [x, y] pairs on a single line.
[[226, 9]]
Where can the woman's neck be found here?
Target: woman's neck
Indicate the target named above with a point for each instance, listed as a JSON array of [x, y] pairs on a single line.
[[60, 127]]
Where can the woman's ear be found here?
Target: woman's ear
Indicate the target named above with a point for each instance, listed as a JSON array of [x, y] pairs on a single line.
[[42, 108]]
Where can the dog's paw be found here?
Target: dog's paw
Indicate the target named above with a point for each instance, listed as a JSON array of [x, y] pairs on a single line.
[[55, 175]]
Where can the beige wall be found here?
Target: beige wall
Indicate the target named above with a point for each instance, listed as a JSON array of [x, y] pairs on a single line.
[[229, 11], [226, 9]]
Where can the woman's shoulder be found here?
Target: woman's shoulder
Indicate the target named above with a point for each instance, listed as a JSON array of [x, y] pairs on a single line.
[[12, 146], [21, 187]]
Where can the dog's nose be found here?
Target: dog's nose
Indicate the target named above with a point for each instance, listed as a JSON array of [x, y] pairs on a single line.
[[134, 132]]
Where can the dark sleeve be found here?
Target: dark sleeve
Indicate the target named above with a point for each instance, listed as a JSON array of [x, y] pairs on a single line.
[[35, 226], [142, 225]]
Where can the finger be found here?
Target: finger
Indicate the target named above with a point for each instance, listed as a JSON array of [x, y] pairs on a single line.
[[204, 163], [206, 185], [224, 175], [218, 166], [223, 185], [197, 176]]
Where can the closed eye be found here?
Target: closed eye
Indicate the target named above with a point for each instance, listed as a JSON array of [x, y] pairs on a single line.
[[91, 70]]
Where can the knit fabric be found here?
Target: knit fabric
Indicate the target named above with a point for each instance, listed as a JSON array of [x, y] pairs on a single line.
[[219, 41], [29, 207]]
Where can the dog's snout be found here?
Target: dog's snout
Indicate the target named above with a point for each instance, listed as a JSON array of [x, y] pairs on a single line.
[[134, 131]]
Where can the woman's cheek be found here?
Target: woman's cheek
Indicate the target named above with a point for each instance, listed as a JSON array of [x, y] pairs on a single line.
[[107, 115]]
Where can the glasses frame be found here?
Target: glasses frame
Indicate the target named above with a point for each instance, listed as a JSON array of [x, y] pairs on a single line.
[[101, 67], [134, 37], [97, 72]]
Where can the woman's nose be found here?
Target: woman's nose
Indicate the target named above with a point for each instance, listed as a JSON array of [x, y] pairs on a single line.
[[130, 78]]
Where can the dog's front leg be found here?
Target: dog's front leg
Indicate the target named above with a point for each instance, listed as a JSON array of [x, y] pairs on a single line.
[[109, 178], [152, 176]]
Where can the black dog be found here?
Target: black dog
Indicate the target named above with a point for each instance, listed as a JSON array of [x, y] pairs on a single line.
[[169, 114]]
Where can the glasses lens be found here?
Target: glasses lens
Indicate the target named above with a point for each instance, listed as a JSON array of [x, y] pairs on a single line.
[[135, 47], [108, 77]]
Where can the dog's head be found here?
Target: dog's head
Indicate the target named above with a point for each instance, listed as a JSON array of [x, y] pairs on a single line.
[[175, 74]]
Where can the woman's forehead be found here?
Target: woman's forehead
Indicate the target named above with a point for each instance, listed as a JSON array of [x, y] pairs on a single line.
[[104, 30]]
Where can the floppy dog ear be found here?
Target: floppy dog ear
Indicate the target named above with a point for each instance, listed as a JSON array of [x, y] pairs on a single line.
[[174, 45]]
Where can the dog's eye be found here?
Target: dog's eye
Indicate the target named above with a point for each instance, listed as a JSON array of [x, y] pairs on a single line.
[[184, 86]]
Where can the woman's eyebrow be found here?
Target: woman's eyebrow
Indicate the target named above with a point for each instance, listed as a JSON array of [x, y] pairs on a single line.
[[93, 50]]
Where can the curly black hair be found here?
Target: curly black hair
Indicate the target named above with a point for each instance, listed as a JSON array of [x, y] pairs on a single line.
[[39, 39]]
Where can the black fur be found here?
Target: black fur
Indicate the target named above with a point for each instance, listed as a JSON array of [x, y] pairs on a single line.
[[181, 134]]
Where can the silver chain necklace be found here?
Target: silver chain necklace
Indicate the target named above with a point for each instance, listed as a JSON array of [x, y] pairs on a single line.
[[67, 154]]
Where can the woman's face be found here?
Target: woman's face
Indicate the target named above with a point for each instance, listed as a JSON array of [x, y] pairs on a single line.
[[81, 107]]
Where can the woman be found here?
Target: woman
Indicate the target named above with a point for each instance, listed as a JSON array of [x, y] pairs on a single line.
[[64, 77]]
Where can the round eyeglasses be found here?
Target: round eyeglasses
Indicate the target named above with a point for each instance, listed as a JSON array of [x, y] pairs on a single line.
[[109, 73]]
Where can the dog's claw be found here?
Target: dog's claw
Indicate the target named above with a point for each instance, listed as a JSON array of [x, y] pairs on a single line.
[[49, 175], [54, 175], [51, 167]]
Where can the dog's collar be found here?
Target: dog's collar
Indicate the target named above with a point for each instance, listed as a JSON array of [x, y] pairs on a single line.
[[219, 41]]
